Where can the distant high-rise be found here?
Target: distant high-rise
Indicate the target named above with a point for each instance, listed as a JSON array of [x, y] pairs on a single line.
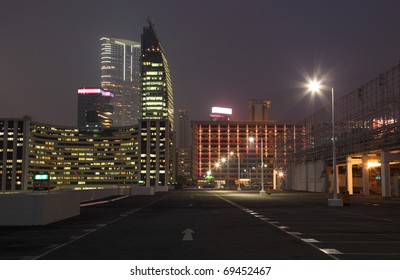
[[183, 126], [94, 107], [120, 74], [183, 153], [157, 99], [258, 109]]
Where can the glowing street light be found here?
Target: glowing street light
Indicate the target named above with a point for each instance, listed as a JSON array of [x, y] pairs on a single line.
[[315, 86]]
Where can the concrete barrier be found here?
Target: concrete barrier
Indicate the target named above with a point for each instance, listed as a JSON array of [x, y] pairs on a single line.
[[38, 208], [99, 193], [142, 190], [42, 208], [162, 188], [87, 195]]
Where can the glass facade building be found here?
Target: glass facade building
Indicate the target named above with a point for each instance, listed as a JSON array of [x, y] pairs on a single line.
[[120, 74]]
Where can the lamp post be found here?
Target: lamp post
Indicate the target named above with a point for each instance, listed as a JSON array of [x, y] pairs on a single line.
[[251, 183], [262, 191], [238, 188], [315, 86], [227, 163], [218, 167]]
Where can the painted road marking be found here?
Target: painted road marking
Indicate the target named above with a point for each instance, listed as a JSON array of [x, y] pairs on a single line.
[[311, 240], [100, 226], [188, 234], [329, 252]]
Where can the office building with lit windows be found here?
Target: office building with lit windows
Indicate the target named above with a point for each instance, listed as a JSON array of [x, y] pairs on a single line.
[[12, 152], [94, 107], [79, 158], [226, 151], [157, 108], [73, 157], [157, 99], [154, 148], [120, 74], [183, 166]]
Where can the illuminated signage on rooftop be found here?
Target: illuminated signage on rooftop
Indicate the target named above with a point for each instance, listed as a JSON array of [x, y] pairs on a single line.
[[220, 110], [85, 91]]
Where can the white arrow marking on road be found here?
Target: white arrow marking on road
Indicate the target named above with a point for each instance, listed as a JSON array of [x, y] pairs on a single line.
[[188, 235]]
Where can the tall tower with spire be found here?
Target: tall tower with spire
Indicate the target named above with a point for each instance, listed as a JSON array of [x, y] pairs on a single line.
[[157, 98], [156, 145]]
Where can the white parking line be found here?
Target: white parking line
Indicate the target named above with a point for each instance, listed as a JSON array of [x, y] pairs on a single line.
[[100, 226], [330, 252], [311, 240]]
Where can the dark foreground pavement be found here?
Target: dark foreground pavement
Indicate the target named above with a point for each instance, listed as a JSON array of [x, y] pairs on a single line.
[[199, 224]]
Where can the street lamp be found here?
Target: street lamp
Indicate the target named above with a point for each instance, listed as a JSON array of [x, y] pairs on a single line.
[[238, 188], [262, 192], [315, 86], [218, 168], [223, 160]]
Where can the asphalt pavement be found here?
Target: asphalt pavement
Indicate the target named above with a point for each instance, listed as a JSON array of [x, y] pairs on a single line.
[[216, 224]]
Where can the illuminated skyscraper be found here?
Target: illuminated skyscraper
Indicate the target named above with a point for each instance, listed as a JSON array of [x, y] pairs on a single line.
[[157, 99], [94, 107], [120, 68], [156, 113]]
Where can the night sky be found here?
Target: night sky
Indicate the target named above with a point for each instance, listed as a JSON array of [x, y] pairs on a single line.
[[220, 52]]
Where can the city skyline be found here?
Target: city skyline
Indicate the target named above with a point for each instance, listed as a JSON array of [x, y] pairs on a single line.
[[255, 52]]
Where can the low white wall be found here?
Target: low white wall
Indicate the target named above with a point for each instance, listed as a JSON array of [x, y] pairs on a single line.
[[310, 176], [42, 208], [38, 208], [87, 195], [142, 190], [162, 189]]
